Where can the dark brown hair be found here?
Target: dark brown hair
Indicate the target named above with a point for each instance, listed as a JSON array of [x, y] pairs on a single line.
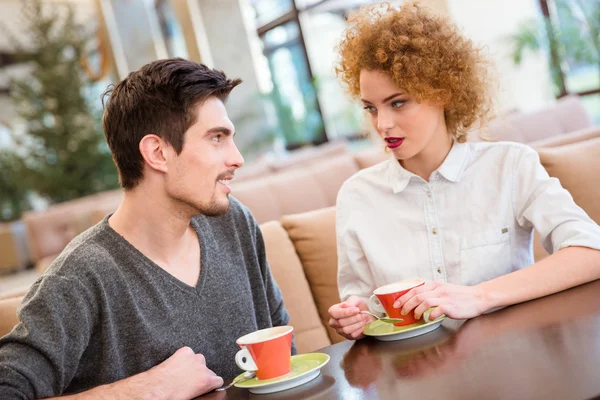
[[159, 98]]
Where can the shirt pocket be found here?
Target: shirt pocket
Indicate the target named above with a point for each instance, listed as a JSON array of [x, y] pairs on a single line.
[[484, 256]]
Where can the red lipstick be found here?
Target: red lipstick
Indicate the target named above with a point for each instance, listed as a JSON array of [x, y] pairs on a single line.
[[394, 142]]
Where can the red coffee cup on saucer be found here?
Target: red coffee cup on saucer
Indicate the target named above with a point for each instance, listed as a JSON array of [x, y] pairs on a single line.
[[384, 297], [267, 351]]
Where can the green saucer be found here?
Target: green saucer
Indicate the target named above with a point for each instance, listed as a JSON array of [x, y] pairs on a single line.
[[386, 331], [305, 367]]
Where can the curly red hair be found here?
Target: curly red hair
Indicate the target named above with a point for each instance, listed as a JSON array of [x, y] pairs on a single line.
[[424, 54]]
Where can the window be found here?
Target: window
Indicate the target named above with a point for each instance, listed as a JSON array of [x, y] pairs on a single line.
[[297, 43], [574, 32]]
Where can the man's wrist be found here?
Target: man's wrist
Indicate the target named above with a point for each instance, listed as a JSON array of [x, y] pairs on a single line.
[[143, 386]]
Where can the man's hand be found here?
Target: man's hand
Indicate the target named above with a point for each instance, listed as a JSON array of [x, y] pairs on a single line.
[[347, 320], [184, 375]]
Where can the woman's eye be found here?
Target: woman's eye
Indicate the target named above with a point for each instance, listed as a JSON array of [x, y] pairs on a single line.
[[398, 103], [370, 109]]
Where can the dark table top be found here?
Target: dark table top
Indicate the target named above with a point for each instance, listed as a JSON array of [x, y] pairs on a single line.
[[543, 349]]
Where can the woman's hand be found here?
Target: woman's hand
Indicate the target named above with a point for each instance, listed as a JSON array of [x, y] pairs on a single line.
[[454, 301], [347, 320]]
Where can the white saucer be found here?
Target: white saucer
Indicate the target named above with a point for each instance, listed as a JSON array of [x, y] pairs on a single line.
[[387, 332], [305, 368]]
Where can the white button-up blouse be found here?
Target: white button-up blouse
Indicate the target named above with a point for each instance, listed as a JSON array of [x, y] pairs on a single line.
[[472, 222]]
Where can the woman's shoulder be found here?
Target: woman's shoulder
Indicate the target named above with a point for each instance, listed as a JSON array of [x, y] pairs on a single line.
[[365, 182], [500, 147], [498, 151]]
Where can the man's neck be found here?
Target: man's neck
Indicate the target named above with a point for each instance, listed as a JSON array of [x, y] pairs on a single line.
[[153, 225]]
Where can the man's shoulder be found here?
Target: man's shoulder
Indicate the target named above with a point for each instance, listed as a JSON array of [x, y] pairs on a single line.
[[88, 251]]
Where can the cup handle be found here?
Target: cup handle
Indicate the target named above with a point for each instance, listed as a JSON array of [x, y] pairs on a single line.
[[244, 360], [375, 305]]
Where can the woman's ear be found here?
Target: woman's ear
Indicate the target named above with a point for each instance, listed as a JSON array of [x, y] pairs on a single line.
[[153, 149]]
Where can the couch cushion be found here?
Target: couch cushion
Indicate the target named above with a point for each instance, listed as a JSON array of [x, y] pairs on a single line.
[[289, 275], [297, 191], [49, 231], [568, 138], [502, 129], [332, 173], [370, 156], [536, 125], [571, 115], [8, 314], [309, 155], [256, 194], [258, 169], [10, 259], [313, 235], [576, 165]]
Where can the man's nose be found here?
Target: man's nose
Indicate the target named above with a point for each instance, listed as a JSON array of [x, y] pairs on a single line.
[[235, 158]]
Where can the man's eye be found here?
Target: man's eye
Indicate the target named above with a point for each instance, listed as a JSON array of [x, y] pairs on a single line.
[[217, 138]]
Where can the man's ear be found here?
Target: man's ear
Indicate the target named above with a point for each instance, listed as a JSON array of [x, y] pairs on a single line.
[[153, 149]]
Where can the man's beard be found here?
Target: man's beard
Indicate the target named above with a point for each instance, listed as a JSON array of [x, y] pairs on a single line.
[[213, 208]]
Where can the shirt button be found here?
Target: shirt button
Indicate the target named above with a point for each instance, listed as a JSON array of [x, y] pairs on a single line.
[[428, 194], [439, 270], [434, 231]]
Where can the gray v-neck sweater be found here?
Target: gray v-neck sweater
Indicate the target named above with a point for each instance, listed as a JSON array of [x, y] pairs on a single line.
[[103, 311]]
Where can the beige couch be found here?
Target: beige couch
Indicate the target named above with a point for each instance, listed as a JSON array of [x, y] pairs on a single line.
[[9, 259], [565, 116], [302, 252]]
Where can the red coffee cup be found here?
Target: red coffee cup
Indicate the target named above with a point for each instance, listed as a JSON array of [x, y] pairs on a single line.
[[266, 351], [384, 297]]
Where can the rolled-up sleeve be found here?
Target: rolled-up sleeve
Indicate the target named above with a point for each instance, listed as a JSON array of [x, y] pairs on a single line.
[[541, 202]]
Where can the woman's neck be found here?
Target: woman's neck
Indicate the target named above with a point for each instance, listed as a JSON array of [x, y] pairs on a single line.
[[430, 158]]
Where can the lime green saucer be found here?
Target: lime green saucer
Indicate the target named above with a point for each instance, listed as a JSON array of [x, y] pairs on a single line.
[[305, 368], [388, 332]]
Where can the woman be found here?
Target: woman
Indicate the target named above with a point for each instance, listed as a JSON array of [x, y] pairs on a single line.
[[458, 214]]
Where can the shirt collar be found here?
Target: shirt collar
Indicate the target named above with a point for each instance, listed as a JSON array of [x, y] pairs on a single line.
[[455, 163], [451, 169]]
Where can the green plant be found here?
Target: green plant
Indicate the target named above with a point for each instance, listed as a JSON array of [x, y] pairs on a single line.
[[13, 194], [574, 40], [66, 156]]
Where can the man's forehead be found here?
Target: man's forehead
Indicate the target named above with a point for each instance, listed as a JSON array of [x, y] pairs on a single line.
[[212, 113]]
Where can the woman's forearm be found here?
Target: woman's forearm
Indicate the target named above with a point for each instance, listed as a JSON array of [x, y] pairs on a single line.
[[562, 270]]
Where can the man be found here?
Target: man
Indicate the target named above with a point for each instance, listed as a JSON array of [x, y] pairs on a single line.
[[149, 302]]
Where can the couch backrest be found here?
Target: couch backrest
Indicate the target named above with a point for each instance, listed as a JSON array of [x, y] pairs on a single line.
[[565, 116], [310, 334], [577, 166], [8, 314], [313, 235], [296, 190], [10, 259], [49, 231]]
